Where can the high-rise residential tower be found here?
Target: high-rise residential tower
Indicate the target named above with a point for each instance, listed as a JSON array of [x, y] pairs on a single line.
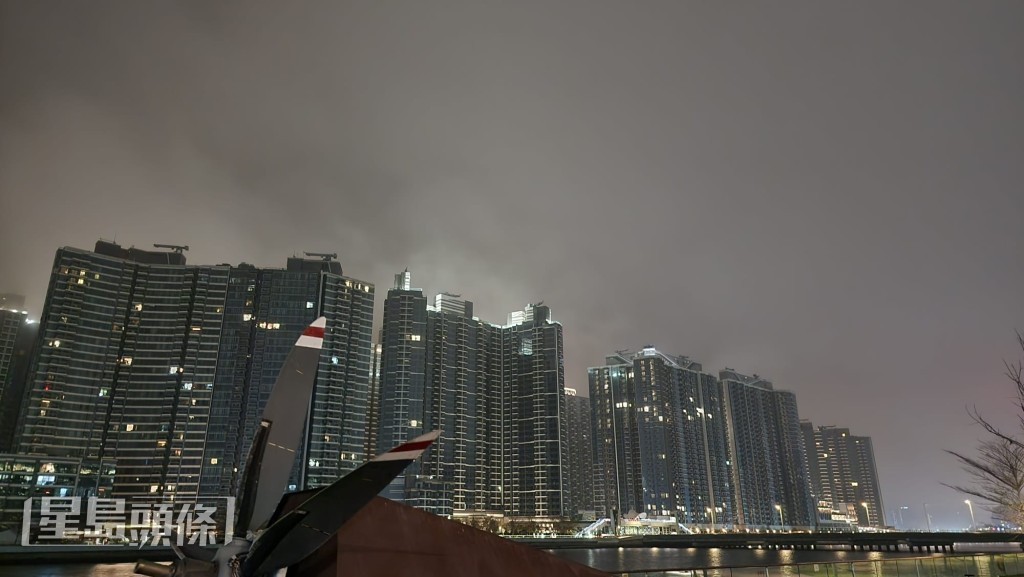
[[618, 482], [157, 370], [535, 448], [18, 335], [580, 472], [844, 477], [660, 439], [496, 393], [770, 464], [402, 375]]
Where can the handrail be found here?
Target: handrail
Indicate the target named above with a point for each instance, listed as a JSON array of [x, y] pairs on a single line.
[[794, 568]]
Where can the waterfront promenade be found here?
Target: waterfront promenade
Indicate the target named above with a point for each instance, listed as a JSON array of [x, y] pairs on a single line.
[[800, 552], [887, 541], [662, 562]]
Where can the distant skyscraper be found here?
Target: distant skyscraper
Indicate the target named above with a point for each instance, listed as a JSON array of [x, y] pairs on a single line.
[[373, 410], [462, 397], [402, 374], [770, 464], [536, 427], [660, 439], [495, 392], [618, 482], [159, 369], [266, 309], [17, 338], [844, 476], [580, 472]]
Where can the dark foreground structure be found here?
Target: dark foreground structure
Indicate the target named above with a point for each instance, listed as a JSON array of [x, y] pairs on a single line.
[[389, 539]]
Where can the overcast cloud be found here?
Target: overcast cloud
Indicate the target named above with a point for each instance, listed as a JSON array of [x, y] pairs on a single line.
[[825, 193]]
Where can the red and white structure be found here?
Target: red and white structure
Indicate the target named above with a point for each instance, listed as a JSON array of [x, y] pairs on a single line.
[[313, 336], [410, 450]]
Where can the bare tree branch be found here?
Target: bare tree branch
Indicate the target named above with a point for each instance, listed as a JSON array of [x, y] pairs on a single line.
[[997, 471]]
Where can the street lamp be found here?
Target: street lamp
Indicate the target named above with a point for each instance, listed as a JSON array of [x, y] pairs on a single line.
[[782, 518], [971, 508], [867, 512]]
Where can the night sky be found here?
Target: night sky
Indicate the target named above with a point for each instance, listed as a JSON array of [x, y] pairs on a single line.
[[828, 194]]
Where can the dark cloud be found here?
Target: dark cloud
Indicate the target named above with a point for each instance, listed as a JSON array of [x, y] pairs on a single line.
[[827, 194]]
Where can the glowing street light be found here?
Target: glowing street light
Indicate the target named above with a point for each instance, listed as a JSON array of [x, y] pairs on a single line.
[[712, 511], [782, 519], [971, 508], [867, 512]]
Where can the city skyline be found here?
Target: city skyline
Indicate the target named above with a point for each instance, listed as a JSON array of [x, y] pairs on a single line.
[[452, 303], [691, 443], [829, 195], [679, 433]]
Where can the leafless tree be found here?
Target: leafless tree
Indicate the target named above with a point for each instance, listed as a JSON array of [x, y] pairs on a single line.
[[997, 471], [997, 475]]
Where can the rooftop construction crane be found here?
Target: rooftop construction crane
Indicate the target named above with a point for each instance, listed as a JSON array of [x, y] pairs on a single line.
[[178, 248]]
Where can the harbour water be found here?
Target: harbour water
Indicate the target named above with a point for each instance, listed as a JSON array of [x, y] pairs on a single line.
[[664, 562]]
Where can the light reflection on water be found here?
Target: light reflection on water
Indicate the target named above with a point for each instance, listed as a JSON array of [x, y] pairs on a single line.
[[752, 562], [668, 562]]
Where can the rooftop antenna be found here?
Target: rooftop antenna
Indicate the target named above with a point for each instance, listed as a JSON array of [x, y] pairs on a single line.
[[174, 247], [324, 256]]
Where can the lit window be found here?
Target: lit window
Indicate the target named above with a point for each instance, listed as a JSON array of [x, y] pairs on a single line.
[[246, 317], [414, 423], [334, 360], [104, 392], [152, 488], [138, 306], [186, 386], [213, 460], [81, 281], [309, 304], [129, 427], [126, 361], [172, 371]]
